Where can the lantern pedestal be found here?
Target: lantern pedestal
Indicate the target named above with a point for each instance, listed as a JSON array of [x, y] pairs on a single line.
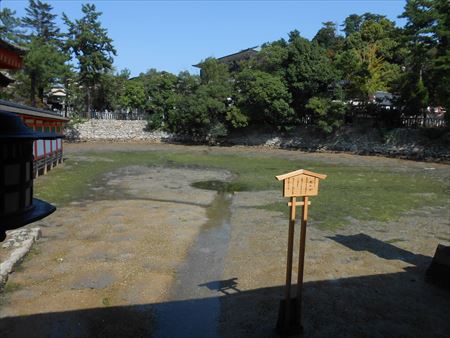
[[39, 210], [17, 205]]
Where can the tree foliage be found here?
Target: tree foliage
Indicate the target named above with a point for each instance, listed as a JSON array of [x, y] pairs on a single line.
[[264, 99], [88, 41], [45, 62], [326, 80], [10, 26], [41, 21]]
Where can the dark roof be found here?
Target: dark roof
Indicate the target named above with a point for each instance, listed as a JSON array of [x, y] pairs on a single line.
[[21, 109], [12, 47], [244, 54]]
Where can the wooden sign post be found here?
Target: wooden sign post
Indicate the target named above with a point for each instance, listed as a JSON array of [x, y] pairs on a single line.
[[299, 183]]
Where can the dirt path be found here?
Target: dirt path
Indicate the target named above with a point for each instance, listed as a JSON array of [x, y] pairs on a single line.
[[149, 255]]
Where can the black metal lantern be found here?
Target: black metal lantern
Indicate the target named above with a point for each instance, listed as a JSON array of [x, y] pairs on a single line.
[[17, 205]]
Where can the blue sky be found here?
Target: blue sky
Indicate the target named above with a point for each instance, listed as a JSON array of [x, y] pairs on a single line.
[[173, 35]]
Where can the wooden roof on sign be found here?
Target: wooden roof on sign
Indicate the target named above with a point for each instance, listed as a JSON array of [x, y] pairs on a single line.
[[300, 172]]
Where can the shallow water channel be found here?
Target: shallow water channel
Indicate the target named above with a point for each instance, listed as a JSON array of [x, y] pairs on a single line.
[[194, 308], [193, 305]]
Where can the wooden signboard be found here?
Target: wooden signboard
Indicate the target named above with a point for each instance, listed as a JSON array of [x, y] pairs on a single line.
[[299, 183]]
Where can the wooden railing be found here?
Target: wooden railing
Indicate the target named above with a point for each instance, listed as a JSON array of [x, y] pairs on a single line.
[[420, 121]]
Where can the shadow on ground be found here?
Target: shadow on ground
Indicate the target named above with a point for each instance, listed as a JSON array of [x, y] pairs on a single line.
[[381, 305], [363, 242]]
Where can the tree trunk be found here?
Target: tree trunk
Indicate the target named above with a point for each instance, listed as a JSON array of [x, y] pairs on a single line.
[[88, 102], [41, 94], [33, 89]]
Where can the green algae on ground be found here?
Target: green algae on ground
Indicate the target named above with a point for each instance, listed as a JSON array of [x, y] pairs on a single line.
[[358, 192], [11, 287]]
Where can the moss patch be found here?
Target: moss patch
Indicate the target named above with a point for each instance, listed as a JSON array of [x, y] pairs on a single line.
[[361, 192], [11, 287]]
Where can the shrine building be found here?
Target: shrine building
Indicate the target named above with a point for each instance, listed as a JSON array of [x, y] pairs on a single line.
[[47, 153]]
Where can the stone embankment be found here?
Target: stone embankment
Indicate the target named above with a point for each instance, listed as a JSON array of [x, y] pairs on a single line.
[[403, 143], [114, 130]]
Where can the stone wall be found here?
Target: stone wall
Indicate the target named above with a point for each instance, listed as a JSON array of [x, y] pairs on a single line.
[[404, 143], [400, 142], [114, 130]]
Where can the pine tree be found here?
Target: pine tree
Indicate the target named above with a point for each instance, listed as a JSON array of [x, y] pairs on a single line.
[[10, 26], [41, 21], [44, 62], [89, 42]]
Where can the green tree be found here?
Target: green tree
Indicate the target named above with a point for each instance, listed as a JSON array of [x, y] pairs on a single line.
[[187, 84], [327, 37], [10, 26], [133, 96], [213, 72], [328, 115], [89, 42], [414, 96], [354, 22], [41, 21], [272, 58], [208, 112], [309, 71], [160, 90], [44, 62], [264, 99], [441, 60], [370, 56], [202, 115]]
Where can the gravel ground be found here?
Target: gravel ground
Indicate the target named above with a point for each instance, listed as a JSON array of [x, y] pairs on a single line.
[[107, 266], [364, 280], [108, 257]]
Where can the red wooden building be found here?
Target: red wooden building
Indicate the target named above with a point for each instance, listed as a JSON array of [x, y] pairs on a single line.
[[47, 153]]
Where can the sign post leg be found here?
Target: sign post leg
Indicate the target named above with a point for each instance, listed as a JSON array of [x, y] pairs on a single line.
[[287, 308], [301, 258], [290, 252]]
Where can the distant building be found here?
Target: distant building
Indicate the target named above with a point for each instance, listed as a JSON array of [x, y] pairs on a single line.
[[233, 60], [56, 98], [383, 99]]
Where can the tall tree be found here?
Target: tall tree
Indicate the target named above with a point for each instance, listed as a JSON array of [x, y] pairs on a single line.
[[273, 58], [206, 113], [441, 61], [10, 26], [328, 38], [427, 35], [265, 99], [89, 42], [44, 62], [133, 96], [309, 72], [368, 60], [354, 22], [41, 21], [160, 89]]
